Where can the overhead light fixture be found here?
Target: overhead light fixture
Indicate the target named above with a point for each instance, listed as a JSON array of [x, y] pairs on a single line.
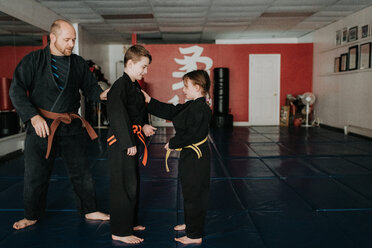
[[127, 17], [287, 14]]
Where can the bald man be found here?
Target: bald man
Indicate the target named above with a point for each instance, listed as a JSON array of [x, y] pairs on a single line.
[[45, 90]]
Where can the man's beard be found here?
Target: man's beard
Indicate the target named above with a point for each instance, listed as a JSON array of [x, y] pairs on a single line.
[[65, 51]]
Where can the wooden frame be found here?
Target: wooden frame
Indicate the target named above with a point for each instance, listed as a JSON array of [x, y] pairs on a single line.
[[353, 58], [353, 34], [364, 31], [343, 62], [338, 37], [337, 65], [344, 35], [365, 56]]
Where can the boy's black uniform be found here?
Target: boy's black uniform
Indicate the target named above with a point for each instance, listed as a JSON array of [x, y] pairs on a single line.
[[191, 122], [125, 108]]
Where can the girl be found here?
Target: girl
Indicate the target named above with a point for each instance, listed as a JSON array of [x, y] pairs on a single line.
[[191, 122]]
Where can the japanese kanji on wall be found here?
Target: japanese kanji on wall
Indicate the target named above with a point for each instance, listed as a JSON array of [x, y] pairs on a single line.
[[171, 62]]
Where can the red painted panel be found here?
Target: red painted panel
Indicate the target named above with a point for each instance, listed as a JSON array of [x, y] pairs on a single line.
[[10, 57], [296, 69]]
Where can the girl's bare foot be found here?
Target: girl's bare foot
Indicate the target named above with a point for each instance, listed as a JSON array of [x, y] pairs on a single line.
[[23, 223], [139, 228], [186, 240], [97, 216], [128, 239], [180, 227]]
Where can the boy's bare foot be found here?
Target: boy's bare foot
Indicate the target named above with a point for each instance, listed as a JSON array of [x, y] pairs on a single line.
[[23, 223], [139, 228], [97, 216], [180, 227], [128, 239], [186, 240]]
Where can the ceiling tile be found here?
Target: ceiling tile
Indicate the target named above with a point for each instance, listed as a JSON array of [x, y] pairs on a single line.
[[181, 36], [177, 29], [214, 18]]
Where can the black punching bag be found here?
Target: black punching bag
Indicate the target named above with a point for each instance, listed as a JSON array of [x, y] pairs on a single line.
[[221, 91], [221, 116]]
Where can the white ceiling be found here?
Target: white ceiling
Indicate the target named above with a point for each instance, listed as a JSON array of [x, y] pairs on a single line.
[[201, 21]]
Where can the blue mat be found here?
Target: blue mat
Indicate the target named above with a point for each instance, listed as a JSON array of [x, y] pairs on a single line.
[[338, 167], [292, 167], [270, 187]]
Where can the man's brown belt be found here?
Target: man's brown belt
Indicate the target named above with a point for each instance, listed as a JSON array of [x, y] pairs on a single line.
[[65, 118]]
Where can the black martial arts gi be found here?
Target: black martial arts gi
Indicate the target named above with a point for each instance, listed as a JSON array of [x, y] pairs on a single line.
[[191, 122], [33, 87], [125, 108]]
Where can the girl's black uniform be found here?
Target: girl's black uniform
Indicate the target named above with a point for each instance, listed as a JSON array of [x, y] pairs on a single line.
[[191, 122], [125, 108]]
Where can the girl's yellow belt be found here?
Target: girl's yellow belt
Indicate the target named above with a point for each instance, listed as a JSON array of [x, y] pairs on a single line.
[[195, 147]]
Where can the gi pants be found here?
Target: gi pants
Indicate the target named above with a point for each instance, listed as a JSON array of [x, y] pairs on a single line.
[[194, 174], [124, 190], [38, 170]]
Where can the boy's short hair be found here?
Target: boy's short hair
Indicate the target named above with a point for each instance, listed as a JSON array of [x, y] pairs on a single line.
[[135, 53]]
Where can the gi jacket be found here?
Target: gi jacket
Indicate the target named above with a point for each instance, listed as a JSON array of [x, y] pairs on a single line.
[[33, 86], [125, 107], [190, 120]]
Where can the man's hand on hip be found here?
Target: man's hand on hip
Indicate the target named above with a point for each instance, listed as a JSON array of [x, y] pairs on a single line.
[[40, 125]]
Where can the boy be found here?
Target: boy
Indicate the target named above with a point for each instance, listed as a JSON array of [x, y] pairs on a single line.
[[127, 116]]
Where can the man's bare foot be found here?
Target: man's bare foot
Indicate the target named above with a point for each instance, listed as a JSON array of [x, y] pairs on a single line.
[[128, 239], [97, 216], [186, 240], [180, 227], [23, 223], [139, 228]]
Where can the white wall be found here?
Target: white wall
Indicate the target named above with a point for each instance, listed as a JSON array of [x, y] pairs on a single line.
[[116, 53], [90, 48], [343, 98]]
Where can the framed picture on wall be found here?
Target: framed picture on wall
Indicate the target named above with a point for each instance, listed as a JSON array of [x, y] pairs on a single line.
[[344, 35], [353, 33], [337, 65], [365, 56], [364, 31], [343, 62], [353, 58], [338, 37]]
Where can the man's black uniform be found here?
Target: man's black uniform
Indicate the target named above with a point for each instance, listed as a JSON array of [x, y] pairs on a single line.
[[34, 87]]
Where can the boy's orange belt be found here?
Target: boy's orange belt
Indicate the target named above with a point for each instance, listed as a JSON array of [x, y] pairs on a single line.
[[65, 118], [136, 130], [192, 146]]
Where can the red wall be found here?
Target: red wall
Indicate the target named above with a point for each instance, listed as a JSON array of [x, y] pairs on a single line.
[[11, 55], [296, 70]]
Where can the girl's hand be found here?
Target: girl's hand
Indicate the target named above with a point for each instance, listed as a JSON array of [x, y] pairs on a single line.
[[148, 130], [147, 97], [131, 151]]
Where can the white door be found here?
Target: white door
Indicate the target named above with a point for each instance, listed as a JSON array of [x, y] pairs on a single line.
[[264, 89]]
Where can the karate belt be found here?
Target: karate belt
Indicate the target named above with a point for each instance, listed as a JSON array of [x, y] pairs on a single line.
[[136, 130], [65, 118], [195, 147]]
